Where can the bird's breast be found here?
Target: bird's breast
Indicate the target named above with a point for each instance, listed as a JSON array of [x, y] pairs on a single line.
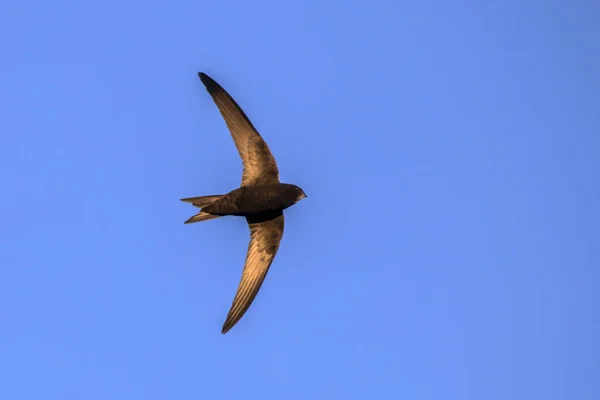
[[262, 199]]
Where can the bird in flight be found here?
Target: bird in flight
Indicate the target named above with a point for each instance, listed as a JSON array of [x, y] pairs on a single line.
[[260, 199]]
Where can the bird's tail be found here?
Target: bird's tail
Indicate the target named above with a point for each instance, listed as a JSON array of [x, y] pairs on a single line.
[[201, 216], [201, 201]]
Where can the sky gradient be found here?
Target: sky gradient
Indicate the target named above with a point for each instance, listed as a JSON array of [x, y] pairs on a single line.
[[448, 247]]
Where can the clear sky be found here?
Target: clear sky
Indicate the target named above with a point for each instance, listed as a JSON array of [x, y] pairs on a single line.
[[448, 247]]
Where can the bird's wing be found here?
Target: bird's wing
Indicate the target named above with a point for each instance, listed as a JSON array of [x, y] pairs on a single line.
[[259, 164], [264, 243]]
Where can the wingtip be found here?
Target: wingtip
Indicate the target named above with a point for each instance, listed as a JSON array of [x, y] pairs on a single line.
[[204, 78], [225, 328], [228, 324], [210, 84]]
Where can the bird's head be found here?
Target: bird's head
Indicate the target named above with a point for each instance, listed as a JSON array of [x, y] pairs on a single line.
[[301, 194], [294, 193]]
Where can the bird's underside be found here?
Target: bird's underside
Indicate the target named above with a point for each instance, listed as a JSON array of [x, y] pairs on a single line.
[[267, 223]]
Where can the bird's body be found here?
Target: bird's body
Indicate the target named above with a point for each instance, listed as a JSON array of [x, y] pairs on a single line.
[[261, 199], [248, 201]]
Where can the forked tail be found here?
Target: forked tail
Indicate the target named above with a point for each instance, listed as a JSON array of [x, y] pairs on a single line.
[[201, 201]]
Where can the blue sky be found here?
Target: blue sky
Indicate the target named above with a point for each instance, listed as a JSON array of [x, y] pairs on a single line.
[[448, 247]]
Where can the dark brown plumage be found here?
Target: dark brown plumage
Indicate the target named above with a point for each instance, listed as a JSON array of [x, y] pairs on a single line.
[[261, 199]]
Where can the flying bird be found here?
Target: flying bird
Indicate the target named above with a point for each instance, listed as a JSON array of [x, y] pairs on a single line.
[[260, 199]]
